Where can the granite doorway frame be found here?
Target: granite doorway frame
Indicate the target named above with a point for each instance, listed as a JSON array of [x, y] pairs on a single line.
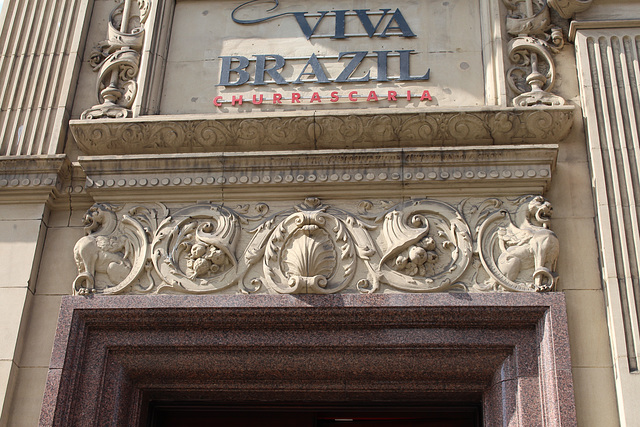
[[510, 352]]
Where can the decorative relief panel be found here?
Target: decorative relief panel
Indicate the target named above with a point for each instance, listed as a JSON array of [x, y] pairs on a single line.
[[421, 245]]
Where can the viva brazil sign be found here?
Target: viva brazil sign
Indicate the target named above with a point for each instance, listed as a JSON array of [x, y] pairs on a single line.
[[267, 68]]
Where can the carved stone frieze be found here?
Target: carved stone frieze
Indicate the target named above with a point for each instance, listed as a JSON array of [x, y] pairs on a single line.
[[484, 126], [421, 245], [117, 60]]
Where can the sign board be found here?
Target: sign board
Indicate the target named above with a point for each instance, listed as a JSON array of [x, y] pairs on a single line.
[[287, 55]]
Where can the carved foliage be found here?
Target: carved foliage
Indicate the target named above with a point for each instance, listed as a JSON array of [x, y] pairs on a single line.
[[419, 246], [195, 248]]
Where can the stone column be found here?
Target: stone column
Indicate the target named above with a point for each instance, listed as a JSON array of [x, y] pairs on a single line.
[[40, 42], [610, 90], [39, 62]]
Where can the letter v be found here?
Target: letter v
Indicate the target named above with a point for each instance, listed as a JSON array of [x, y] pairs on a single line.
[[366, 22], [304, 25]]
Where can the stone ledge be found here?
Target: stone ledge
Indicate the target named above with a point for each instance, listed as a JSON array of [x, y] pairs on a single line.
[[471, 170], [32, 178], [309, 130]]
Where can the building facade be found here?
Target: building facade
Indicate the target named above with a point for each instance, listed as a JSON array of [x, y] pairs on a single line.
[[364, 206]]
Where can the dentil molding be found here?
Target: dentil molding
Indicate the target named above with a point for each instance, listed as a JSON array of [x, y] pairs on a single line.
[[419, 245], [33, 178], [338, 173]]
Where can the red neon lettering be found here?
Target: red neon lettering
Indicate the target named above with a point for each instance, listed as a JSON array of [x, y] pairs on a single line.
[[334, 97], [408, 95], [353, 96], [256, 102], [295, 97], [216, 101], [277, 98], [372, 96], [315, 97], [391, 95], [425, 95], [234, 100]]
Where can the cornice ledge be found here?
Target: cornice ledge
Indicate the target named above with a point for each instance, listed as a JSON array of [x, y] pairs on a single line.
[[601, 25], [32, 178], [471, 170], [309, 130]]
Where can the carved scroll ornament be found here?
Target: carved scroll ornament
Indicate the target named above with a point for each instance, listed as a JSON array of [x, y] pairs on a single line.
[[534, 39], [423, 245], [117, 60]]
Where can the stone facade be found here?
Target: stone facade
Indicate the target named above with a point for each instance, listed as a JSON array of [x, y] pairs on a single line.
[[175, 170]]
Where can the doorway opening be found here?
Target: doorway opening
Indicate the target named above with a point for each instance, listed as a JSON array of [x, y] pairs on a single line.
[[199, 415]]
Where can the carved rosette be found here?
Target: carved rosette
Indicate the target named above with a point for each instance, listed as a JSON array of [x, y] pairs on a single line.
[[423, 245], [117, 61]]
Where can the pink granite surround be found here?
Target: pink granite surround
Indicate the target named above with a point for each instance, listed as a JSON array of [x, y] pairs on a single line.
[[507, 352]]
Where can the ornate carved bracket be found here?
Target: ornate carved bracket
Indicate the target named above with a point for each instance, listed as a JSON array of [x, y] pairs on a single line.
[[532, 75], [117, 60], [422, 245]]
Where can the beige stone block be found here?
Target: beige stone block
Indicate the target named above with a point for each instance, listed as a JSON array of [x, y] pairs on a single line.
[[595, 397], [27, 397], [19, 250], [12, 305], [571, 192], [588, 334], [22, 211], [578, 261], [73, 218], [41, 329], [8, 374], [58, 268]]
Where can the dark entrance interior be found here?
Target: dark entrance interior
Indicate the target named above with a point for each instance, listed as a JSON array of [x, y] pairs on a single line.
[[198, 415]]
